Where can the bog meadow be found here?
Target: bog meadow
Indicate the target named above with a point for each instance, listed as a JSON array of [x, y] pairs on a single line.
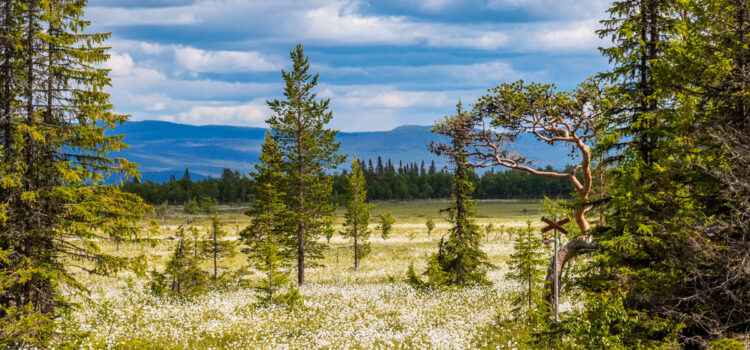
[[176, 176]]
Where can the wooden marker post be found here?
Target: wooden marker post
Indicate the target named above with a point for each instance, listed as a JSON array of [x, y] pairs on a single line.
[[555, 225], [557, 283]]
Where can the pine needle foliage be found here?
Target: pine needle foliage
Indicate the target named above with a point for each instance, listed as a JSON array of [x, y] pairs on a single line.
[[183, 275], [216, 247], [528, 268], [430, 226], [679, 75], [459, 260], [386, 224], [357, 216], [269, 240], [54, 206], [308, 150]]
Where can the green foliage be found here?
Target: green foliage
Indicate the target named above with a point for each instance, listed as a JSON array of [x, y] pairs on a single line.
[[726, 344], [308, 149], [459, 260], [408, 182], [55, 120], [606, 323], [182, 275], [208, 206], [231, 188], [528, 267], [273, 262], [22, 326], [386, 224], [268, 241], [357, 216], [488, 231], [215, 246], [191, 207], [678, 69], [388, 183], [430, 226]]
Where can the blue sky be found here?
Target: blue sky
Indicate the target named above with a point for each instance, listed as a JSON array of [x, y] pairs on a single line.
[[383, 63]]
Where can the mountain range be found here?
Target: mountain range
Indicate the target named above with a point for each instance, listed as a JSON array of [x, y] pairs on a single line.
[[163, 149]]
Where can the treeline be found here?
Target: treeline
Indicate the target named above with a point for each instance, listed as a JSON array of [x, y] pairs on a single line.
[[385, 181], [231, 187]]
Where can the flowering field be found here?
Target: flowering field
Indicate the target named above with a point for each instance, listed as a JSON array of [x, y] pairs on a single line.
[[371, 308]]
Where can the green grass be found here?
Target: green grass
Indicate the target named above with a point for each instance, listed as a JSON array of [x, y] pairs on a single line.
[[403, 211]]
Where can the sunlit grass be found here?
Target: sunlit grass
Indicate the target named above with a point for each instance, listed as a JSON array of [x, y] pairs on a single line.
[[342, 308]]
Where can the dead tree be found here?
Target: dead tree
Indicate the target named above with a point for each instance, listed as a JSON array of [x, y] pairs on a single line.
[[553, 117]]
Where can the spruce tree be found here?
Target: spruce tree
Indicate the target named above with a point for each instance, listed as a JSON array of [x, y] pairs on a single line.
[[527, 266], [716, 60], [430, 226], [460, 259], [55, 207], [269, 239], [308, 149], [646, 143], [182, 274], [680, 256], [386, 224], [214, 245], [680, 87], [357, 216]]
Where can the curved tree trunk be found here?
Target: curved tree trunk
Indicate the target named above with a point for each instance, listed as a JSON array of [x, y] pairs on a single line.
[[571, 249]]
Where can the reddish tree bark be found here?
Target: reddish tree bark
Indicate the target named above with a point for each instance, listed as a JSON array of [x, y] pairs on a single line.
[[552, 117]]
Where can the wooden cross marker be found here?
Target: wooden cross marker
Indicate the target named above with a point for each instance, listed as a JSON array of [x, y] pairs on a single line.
[[555, 225]]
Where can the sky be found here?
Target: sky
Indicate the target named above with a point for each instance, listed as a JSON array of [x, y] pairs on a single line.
[[383, 63]]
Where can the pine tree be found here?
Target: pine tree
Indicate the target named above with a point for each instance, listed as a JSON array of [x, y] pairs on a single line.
[[54, 159], [268, 240], [386, 224], [357, 216], [308, 149]]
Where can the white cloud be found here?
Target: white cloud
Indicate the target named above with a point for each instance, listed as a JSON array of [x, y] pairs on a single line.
[[340, 23], [198, 60], [250, 114], [406, 99], [570, 9], [165, 78], [389, 97], [108, 16], [433, 75], [559, 36], [119, 64]]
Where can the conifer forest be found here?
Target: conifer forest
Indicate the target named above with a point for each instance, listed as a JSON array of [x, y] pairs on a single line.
[[642, 241]]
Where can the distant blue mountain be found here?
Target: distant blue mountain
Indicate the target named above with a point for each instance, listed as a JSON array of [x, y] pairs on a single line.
[[163, 149]]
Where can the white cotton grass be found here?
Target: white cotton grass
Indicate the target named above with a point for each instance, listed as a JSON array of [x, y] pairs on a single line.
[[342, 309]]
